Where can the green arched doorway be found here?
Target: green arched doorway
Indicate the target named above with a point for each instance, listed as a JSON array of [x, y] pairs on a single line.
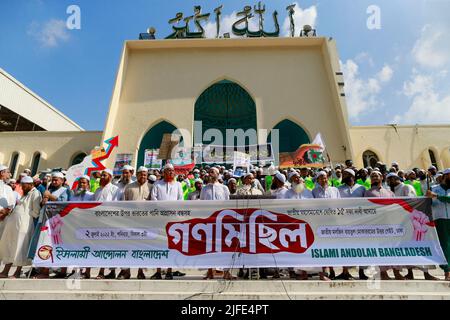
[[226, 105], [291, 136], [152, 139]]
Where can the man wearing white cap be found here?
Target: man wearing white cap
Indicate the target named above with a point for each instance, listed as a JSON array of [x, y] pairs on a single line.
[[377, 190], [248, 187], [214, 190], [82, 193], [349, 189], [398, 187], [441, 216], [56, 193], [195, 195], [166, 189], [278, 187], [125, 180], [323, 190], [137, 191], [7, 197], [19, 227], [107, 191], [298, 189]]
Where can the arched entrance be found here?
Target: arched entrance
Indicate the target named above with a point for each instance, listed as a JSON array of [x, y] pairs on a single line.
[[370, 158], [226, 105], [291, 136], [152, 139]]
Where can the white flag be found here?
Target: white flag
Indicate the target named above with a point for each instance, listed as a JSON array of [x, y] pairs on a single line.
[[318, 140]]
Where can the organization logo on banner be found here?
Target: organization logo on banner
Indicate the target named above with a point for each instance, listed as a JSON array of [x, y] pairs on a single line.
[[251, 231]]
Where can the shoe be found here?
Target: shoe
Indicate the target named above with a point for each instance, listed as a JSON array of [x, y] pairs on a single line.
[[169, 276], [240, 273], [344, 276], [69, 275], [362, 275], [111, 275], [141, 276], [178, 274], [59, 275], [124, 276], [156, 276]]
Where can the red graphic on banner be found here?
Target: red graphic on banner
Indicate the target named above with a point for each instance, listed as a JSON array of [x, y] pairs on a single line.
[[251, 231]]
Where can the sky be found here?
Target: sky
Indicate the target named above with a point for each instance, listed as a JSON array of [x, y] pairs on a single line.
[[395, 54]]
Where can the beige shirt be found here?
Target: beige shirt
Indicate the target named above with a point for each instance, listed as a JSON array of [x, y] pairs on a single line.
[[136, 192]]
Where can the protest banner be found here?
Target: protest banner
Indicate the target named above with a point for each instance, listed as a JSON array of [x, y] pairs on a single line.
[[122, 159], [254, 233], [151, 160]]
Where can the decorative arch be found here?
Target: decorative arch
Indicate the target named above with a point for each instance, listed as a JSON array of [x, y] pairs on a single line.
[[77, 158], [433, 157], [14, 163], [226, 105], [370, 158], [35, 163], [152, 139], [291, 136]]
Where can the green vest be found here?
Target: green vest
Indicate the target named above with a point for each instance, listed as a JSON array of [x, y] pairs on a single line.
[[416, 185], [94, 184], [185, 188], [309, 183], [366, 184], [268, 180], [336, 182]]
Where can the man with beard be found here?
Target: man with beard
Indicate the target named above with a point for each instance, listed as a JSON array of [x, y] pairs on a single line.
[[298, 189], [82, 193], [377, 191], [248, 187], [441, 216], [198, 185], [125, 180], [412, 181], [106, 192], [349, 189], [19, 228], [398, 187], [232, 186], [166, 189], [7, 197]]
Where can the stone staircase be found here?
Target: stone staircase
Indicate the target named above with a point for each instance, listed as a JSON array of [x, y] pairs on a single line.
[[196, 289]]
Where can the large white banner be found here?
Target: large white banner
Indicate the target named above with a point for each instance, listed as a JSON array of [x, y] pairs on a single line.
[[251, 233]]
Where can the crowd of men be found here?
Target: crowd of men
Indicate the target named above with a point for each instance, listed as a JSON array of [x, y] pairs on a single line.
[[21, 202]]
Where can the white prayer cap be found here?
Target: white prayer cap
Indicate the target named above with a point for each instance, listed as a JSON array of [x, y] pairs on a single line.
[[196, 170], [432, 168], [321, 173], [2, 167], [108, 171], [293, 174], [152, 178], [198, 180], [11, 181], [27, 170], [142, 169], [375, 172], [291, 170], [395, 163], [363, 169], [85, 177], [392, 175], [57, 175], [350, 171], [249, 174], [408, 172], [169, 166], [446, 171], [215, 169], [128, 167], [232, 180], [27, 179], [280, 177]]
